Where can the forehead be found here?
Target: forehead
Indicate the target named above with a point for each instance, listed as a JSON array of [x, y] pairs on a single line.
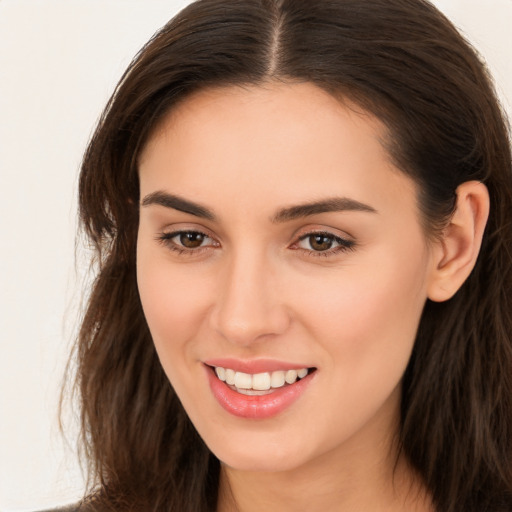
[[297, 105], [284, 142]]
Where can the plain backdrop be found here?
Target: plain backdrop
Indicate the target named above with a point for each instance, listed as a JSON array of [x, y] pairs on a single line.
[[59, 62]]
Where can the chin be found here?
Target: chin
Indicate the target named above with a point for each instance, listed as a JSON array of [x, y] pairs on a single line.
[[265, 455], [255, 463]]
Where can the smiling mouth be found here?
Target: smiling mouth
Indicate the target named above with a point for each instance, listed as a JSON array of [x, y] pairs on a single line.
[[259, 383]]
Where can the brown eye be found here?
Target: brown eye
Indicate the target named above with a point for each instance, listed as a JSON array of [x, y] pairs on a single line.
[[187, 242], [319, 242], [324, 243], [191, 239]]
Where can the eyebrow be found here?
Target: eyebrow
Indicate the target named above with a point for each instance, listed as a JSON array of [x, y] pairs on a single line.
[[333, 204], [178, 203]]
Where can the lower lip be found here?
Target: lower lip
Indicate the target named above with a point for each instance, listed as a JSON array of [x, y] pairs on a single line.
[[256, 407]]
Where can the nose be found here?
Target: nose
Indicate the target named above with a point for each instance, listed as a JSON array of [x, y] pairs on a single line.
[[250, 305]]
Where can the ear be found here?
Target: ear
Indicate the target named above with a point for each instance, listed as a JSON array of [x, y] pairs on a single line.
[[455, 254]]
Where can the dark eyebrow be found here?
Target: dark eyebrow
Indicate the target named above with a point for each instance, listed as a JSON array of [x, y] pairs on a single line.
[[177, 203], [334, 204]]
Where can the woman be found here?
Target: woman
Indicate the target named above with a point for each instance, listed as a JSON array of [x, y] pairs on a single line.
[[301, 215]]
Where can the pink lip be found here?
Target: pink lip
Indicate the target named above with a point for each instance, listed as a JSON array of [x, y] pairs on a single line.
[[256, 406], [254, 366]]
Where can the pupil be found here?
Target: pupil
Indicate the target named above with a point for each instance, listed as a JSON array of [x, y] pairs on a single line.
[[320, 242], [191, 240]]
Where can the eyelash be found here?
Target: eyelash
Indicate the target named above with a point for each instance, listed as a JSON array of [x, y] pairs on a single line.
[[344, 245]]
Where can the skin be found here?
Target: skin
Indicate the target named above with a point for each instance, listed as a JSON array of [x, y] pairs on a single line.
[[256, 288]]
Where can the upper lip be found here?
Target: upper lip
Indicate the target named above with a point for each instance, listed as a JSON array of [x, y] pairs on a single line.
[[255, 365]]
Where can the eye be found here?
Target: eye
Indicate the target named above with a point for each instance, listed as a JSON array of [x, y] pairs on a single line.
[[190, 239], [186, 241], [317, 242], [323, 243]]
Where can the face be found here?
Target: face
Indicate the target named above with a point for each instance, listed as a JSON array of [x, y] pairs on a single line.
[[282, 270]]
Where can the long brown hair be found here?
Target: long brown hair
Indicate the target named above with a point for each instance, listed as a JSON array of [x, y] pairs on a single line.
[[404, 62]]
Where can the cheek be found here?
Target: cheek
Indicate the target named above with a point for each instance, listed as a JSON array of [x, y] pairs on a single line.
[[365, 319], [174, 303], [366, 316]]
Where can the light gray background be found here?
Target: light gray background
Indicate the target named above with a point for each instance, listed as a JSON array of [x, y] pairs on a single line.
[[59, 62]]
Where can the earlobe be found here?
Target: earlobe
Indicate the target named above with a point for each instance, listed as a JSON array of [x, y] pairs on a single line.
[[455, 254]]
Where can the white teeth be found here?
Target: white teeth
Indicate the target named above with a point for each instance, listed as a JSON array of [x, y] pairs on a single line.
[[252, 392], [302, 373], [277, 379], [261, 381], [243, 380], [230, 376], [291, 376], [246, 382]]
